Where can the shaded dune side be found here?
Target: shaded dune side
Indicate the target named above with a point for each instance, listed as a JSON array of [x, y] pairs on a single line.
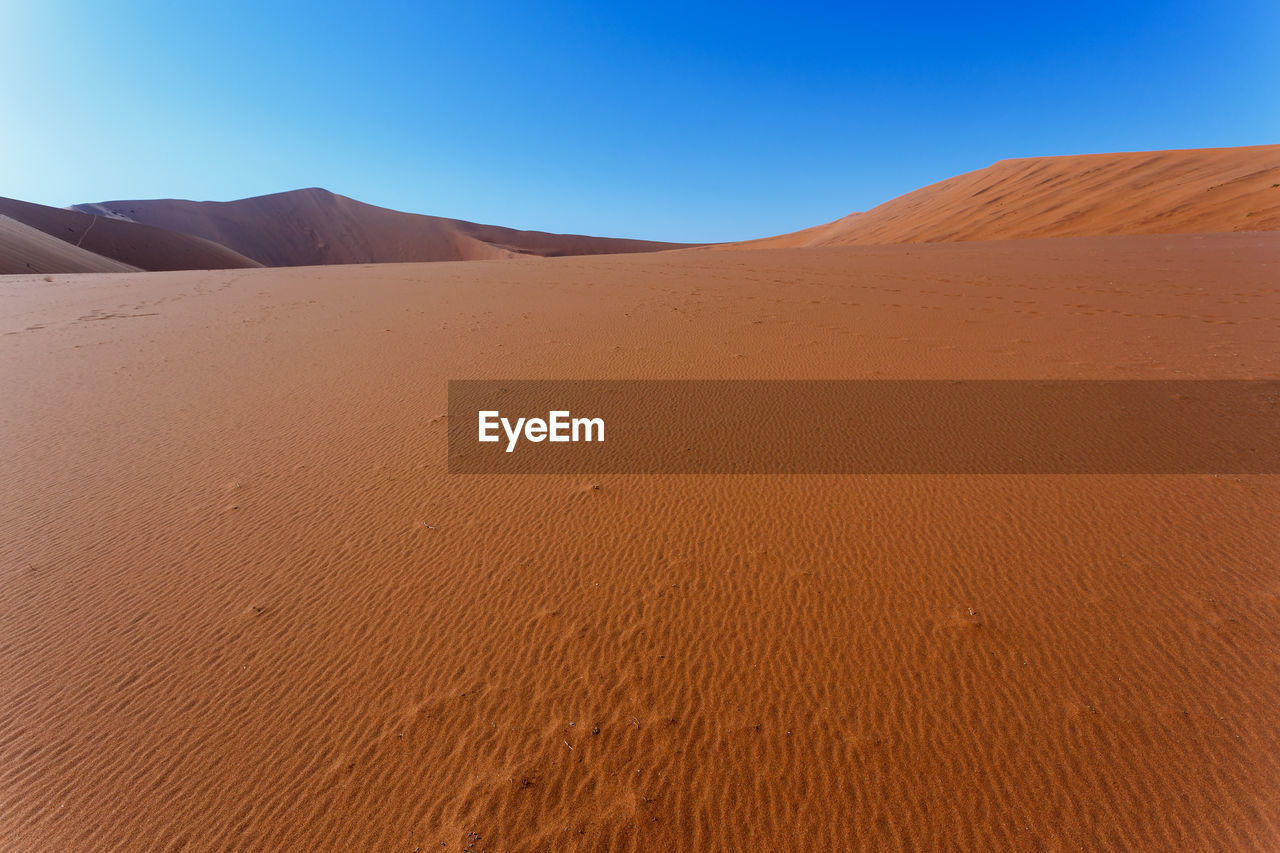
[[24, 249], [135, 246], [314, 226], [1153, 192]]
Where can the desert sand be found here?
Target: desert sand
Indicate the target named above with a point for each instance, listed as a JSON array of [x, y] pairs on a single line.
[[246, 607], [315, 226], [1145, 192]]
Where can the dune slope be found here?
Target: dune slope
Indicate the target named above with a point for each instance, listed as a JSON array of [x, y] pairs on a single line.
[[137, 246], [314, 226], [1151, 192], [24, 249]]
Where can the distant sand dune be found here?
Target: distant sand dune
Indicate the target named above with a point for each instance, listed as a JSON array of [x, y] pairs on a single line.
[[1156, 192], [137, 246], [1151, 192], [315, 226]]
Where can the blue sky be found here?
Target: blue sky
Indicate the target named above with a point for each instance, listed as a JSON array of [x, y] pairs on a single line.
[[662, 120]]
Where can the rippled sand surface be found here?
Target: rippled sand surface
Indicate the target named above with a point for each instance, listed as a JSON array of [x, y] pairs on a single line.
[[245, 607]]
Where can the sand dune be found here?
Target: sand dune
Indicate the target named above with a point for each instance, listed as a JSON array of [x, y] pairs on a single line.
[[314, 226], [24, 249], [246, 607], [1160, 192], [136, 246], [1151, 192]]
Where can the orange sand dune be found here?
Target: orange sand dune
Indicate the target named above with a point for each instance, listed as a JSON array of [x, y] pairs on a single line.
[[135, 246], [1149, 192], [314, 226], [24, 249], [245, 607]]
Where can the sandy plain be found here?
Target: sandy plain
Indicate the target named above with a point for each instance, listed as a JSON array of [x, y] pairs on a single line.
[[244, 606]]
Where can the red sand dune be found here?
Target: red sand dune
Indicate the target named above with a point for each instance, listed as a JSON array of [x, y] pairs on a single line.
[[1206, 190], [1150, 192], [24, 249], [315, 226], [245, 607], [137, 246]]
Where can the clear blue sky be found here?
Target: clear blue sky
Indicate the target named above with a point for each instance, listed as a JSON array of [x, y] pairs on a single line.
[[665, 120]]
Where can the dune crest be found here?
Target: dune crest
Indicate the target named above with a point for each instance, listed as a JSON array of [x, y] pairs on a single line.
[[314, 226], [1149, 192]]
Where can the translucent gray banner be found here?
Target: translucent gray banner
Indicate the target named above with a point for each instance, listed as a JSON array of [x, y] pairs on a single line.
[[864, 427]]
